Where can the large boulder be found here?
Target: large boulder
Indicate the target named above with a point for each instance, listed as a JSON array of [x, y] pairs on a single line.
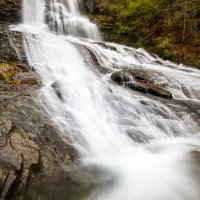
[[143, 81]]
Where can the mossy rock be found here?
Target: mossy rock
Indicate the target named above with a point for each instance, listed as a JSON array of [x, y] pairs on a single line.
[[8, 70]]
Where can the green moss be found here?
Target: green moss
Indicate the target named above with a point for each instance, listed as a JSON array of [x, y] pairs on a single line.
[[188, 57], [104, 18], [139, 44], [123, 29], [161, 84], [164, 43], [198, 64], [167, 54]]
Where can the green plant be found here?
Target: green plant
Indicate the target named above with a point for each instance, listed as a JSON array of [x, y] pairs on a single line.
[[164, 43], [198, 64], [167, 54]]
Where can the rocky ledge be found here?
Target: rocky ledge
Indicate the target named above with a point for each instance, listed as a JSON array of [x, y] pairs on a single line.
[[142, 81]]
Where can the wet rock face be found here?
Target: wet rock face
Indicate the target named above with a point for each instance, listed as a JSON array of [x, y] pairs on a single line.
[[142, 81], [29, 144], [74, 183], [91, 60]]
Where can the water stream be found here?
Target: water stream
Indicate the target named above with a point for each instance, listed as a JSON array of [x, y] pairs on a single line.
[[148, 146]]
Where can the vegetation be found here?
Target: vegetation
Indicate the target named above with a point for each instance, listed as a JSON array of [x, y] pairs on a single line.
[[8, 70], [170, 28]]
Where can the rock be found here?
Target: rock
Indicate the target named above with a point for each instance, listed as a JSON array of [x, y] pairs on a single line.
[[56, 151], [90, 5], [17, 73], [28, 139], [136, 75], [11, 46], [5, 127], [92, 59], [74, 183], [29, 152], [20, 153], [12, 56], [26, 78], [142, 81], [8, 70], [9, 11], [7, 177], [56, 86]]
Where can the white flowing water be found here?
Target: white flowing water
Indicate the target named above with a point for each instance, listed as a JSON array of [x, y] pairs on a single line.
[[150, 147]]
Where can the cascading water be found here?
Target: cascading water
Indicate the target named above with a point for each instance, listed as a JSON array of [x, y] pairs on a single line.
[[147, 145]]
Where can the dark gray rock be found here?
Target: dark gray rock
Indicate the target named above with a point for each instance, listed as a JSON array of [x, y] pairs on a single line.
[[75, 183], [90, 5], [142, 81], [56, 86]]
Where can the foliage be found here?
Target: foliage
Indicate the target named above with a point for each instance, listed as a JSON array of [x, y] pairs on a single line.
[[154, 24], [167, 54], [198, 64], [150, 17]]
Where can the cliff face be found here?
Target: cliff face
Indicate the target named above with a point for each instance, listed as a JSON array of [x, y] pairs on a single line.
[[30, 145]]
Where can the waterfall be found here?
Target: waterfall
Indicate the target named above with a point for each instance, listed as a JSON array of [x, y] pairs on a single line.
[[62, 17], [148, 146], [33, 13]]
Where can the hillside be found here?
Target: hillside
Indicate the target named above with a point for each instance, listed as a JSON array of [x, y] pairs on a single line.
[[168, 28]]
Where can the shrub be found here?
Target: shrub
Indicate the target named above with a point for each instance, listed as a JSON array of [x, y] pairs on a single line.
[[167, 54]]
